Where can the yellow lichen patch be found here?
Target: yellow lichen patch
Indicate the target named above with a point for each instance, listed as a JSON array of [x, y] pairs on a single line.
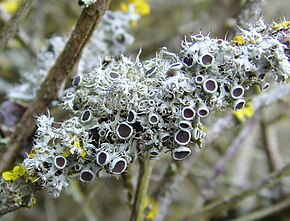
[[244, 114], [76, 143], [32, 153], [141, 6], [14, 174], [66, 153], [31, 179], [10, 6], [32, 201], [285, 24], [238, 40], [152, 206]]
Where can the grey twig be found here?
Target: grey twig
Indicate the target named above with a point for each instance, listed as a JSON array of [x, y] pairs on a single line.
[[230, 201], [231, 151], [257, 215]]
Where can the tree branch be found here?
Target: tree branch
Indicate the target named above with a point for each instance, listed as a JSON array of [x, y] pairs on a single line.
[[15, 195], [53, 83]]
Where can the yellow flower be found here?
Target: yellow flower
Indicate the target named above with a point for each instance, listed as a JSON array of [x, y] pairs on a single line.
[[244, 114], [14, 174], [238, 40], [153, 209], [10, 6], [141, 6]]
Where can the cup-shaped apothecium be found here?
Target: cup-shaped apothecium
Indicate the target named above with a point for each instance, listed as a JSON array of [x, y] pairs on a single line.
[[180, 153], [124, 130], [87, 175], [118, 165], [60, 162]]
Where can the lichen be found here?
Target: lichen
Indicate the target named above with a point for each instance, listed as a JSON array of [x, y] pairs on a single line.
[[127, 107]]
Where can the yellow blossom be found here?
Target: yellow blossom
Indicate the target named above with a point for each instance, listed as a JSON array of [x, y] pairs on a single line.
[[153, 209], [10, 6], [141, 6]]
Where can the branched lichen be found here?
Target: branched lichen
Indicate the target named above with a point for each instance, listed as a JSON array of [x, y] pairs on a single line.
[[125, 108]]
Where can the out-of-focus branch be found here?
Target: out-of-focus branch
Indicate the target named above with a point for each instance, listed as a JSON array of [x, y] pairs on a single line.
[[10, 28], [53, 83], [231, 151], [257, 215], [230, 201], [128, 185], [251, 11], [23, 39]]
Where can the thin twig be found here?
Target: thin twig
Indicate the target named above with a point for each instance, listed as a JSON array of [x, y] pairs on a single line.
[[56, 76], [231, 151], [10, 28], [271, 146], [23, 39], [230, 201], [139, 206], [264, 212], [128, 184]]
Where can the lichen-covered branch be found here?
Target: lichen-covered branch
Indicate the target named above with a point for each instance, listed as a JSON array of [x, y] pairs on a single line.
[[17, 194], [10, 28], [58, 73], [154, 105]]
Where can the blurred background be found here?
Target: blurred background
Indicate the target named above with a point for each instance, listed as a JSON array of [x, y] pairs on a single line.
[[263, 150]]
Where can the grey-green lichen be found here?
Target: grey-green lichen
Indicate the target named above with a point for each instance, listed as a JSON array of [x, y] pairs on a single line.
[[127, 107]]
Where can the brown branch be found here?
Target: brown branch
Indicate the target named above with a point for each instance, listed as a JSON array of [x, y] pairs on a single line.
[[56, 76], [9, 30]]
